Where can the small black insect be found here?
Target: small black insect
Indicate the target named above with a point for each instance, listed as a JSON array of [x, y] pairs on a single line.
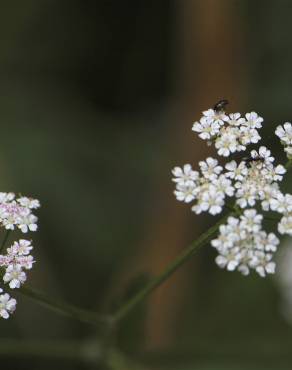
[[221, 105], [249, 160]]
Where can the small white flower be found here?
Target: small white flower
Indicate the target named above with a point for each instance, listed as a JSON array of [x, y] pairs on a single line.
[[263, 264], [271, 243], [236, 231], [210, 168], [281, 203], [224, 186], [253, 120], [25, 262], [212, 201], [185, 176], [251, 220], [267, 193], [266, 242], [7, 305], [206, 129], [285, 225], [20, 248], [185, 193], [15, 276], [249, 136], [236, 172], [285, 133], [228, 259], [266, 154], [28, 223], [228, 235], [215, 117], [277, 173], [224, 241], [226, 144], [246, 195], [235, 119]]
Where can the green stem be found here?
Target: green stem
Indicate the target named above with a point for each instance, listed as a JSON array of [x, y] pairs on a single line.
[[169, 270], [102, 321], [4, 240], [106, 321]]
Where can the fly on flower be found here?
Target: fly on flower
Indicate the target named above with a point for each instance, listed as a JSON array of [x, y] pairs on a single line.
[[221, 105], [250, 160]]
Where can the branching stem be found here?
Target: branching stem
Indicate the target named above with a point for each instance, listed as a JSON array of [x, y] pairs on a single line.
[[169, 270], [108, 321], [63, 308]]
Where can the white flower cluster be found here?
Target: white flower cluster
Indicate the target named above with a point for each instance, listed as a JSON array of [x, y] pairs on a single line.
[[231, 133], [249, 181], [256, 180], [209, 188], [252, 181], [243, 245], [16, 213]]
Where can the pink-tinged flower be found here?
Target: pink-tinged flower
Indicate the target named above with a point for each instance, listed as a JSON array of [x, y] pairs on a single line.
[[7, 305], [14, 276]]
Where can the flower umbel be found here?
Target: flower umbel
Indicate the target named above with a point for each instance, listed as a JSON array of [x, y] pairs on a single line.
[[253, 182], [15, 213], [243, 245]]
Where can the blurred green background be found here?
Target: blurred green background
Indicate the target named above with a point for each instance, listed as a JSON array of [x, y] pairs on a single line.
[[97, 100]]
